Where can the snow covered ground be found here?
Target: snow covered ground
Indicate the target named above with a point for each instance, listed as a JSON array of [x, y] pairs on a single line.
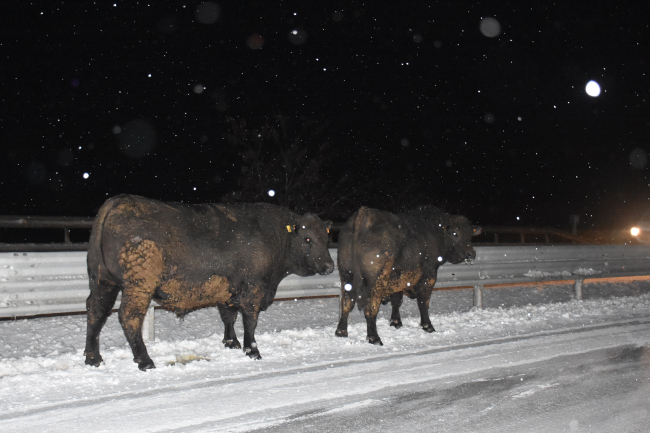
[[47, 387]]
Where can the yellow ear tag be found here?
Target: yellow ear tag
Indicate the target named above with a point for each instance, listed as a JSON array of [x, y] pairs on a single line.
[[328, 230], [289, 229]]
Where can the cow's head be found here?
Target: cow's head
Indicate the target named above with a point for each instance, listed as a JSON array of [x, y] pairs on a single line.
[[458, 234], [309, 237]]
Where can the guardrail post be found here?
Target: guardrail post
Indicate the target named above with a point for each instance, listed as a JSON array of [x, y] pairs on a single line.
[[478, 296], [147, 325], [578, 289]]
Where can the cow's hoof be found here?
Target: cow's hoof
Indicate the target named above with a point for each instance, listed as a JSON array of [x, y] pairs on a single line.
[[148, 365], [95, 361], [144, 365], [253, 353], [341, 333], [232, 344], [375, 340], [396, 323], [428, 328]]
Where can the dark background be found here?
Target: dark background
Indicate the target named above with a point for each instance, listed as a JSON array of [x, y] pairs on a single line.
[[387, 104]]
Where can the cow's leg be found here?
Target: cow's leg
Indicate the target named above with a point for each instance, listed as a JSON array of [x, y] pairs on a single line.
[[423, 297], [348, 295], [251, 299], [376, 289], [133, 308], [229, 316], [250, 323], [371, 310], [142, 265], [396, 302], [98, 307]]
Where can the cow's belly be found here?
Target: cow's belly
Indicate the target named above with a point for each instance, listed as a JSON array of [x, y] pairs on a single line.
[[178, 294]]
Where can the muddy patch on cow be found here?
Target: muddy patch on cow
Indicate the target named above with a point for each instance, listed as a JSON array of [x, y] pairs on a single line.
[[181, 295]]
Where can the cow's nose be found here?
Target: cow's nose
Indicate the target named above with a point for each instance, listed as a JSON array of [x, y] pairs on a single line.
[[470, 254], [329, 268]]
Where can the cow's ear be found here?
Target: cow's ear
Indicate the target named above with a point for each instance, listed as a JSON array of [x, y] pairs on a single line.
[[476, 230], [328, 225]]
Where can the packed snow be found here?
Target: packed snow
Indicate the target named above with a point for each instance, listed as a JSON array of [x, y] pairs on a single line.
[[42, 363]]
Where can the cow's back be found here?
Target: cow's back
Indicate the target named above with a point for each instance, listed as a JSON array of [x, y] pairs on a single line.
[[197, 241]]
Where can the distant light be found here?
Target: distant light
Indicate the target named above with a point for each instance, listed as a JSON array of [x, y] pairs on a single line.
[[635, 231], [271, 193], [592, 88], [86, 175], [517, 218], [348, 287]]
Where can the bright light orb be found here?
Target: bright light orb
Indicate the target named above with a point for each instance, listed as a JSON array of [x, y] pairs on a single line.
[[86, 175], [635, 231], [592, 88], [348, 287], [490, 27], [271, 193]]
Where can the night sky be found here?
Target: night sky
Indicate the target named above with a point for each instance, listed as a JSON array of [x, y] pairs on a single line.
[[478, 107]]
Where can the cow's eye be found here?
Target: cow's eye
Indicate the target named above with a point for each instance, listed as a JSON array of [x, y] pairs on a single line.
[[308, 240]]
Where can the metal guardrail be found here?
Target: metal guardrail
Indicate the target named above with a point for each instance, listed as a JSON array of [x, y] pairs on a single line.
[[57, 282], [492, 235], [41, 222], [528, 264], [46, 283], [528, 236]]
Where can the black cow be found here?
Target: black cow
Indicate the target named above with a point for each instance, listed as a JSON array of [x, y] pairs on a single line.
[[382, 255], [186, 257]]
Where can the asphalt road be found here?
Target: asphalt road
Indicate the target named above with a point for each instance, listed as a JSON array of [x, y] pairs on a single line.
[[576, 381]]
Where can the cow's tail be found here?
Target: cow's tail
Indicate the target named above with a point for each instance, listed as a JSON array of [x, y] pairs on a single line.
[[358, 224], [95, 259]]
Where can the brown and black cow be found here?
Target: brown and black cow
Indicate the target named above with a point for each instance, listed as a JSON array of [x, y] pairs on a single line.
[[383, 255], [186, 257]]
